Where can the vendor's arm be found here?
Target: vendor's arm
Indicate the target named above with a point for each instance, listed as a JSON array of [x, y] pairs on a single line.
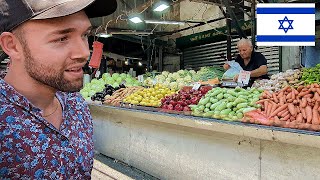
[[262, 70]]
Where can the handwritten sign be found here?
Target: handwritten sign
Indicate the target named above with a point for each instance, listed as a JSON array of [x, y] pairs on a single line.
[[244, 77]]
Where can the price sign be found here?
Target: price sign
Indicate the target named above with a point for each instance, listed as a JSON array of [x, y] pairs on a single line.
[[244, 77], [196, 86], [97, 75]]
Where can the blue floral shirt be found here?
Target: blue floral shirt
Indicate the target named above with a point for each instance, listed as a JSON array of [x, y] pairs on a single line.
[[32, 148]]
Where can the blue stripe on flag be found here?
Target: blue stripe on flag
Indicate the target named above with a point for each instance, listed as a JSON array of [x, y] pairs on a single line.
[[286, 10], [287, 38]]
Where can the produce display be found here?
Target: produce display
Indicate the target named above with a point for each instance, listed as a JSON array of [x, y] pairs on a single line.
[[279, 81], [98, 85], [117, 97], [174, 80], [206, 73], [311, 75], [290, 99], [227, 104], [294, 108], [150, 96], [184, 98], [107, 91]]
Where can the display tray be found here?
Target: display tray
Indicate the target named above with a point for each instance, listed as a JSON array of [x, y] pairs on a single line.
[[138, 107]]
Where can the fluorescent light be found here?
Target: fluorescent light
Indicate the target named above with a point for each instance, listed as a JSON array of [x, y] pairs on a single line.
[[126, 62], [140, 64], [132, 32], [104, 35], [135, 19], [164, 22], [161, 7]]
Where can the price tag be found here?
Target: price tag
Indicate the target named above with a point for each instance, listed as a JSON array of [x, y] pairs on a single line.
[[244, 77], [140, 78], [196, 86], [97, 75]]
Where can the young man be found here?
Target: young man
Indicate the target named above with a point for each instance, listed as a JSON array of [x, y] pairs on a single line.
[[45, 126]]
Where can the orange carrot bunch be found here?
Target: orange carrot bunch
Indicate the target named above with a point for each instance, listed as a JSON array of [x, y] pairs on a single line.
[[294, 108]]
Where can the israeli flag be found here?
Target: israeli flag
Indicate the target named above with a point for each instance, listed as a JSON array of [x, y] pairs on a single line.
[[285, 24]]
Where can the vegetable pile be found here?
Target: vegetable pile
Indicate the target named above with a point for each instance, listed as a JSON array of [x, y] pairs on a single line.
[[227, 104], [279, 81], [294, 108], [182, 100], [149, 97], [311, 75], [117, 97]]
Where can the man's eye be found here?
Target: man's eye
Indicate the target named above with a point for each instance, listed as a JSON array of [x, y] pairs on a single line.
[[63, 39]]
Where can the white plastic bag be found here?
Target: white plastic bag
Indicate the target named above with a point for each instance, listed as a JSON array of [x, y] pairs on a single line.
[[234, 69]]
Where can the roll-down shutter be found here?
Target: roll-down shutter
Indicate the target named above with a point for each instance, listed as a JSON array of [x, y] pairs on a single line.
[[212, 54]]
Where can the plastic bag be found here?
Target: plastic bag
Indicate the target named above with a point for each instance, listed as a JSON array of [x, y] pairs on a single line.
[[234, 69]]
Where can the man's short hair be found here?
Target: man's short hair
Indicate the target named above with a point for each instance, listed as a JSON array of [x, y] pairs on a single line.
[[244, 41]]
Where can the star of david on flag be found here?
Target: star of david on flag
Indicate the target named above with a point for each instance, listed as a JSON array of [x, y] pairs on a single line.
[[285, 24]]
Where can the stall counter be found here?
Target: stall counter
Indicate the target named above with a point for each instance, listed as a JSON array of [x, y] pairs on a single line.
[[170, 146]]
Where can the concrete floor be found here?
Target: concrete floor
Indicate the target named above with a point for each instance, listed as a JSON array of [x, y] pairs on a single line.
[[106, 168]]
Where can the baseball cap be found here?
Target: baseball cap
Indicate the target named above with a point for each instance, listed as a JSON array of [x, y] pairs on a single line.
[[15, 12]]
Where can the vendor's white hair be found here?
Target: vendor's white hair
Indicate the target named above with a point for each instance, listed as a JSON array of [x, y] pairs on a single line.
[[244, 41]]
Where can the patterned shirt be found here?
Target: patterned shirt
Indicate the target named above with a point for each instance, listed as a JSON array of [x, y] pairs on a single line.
[[32, 148]]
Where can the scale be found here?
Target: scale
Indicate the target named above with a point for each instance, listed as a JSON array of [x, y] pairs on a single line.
[[231, 84]]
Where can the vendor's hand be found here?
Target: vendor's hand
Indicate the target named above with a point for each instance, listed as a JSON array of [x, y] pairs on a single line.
[[235, 78], [226, 66]]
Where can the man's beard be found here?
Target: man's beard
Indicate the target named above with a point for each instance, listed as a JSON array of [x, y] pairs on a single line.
[[49, 76]]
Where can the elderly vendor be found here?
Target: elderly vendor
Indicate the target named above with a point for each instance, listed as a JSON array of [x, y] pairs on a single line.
[[251, 61]]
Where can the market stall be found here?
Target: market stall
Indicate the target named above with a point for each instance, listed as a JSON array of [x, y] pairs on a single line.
[[187, 125]]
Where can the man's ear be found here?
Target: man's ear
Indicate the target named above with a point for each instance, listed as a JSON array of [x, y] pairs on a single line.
[[10, 45]]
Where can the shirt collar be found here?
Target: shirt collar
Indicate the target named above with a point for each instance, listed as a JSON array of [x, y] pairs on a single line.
[[9, 93]]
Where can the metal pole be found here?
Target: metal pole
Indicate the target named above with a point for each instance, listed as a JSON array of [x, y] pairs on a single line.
[[160, 59], [228, 31], [253, 22]]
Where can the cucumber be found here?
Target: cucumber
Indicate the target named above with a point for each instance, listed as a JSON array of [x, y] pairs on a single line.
[[208, 105], [242, 105], [220, 96], [213, 100]]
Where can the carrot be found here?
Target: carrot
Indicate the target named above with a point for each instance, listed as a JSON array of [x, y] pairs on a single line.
[[280, 94], [311, 86], [268, 93], [295, 102], [309, 114], [299, 89], [286, 117], [285, 113], [293, 95], [296, 92], [266, 103], [303, 102], [303, 112], [282, 112], [318, 91], [289, 96], [289, 100], [275, 99], [292, 118], [299, 118], [316, 85], [319, 108], [281, 108], [281, 101], [262, 101], [315, 116], [292, 109], [285, 89], [308, 96], [274, 107], [269, 109], [303, 93], [316, 96], [308, 86]]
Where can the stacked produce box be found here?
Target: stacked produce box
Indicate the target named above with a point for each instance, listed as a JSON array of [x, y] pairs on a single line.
[[290, 99]]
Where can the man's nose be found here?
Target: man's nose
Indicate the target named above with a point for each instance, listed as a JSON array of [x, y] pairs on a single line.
[[80, 50]]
